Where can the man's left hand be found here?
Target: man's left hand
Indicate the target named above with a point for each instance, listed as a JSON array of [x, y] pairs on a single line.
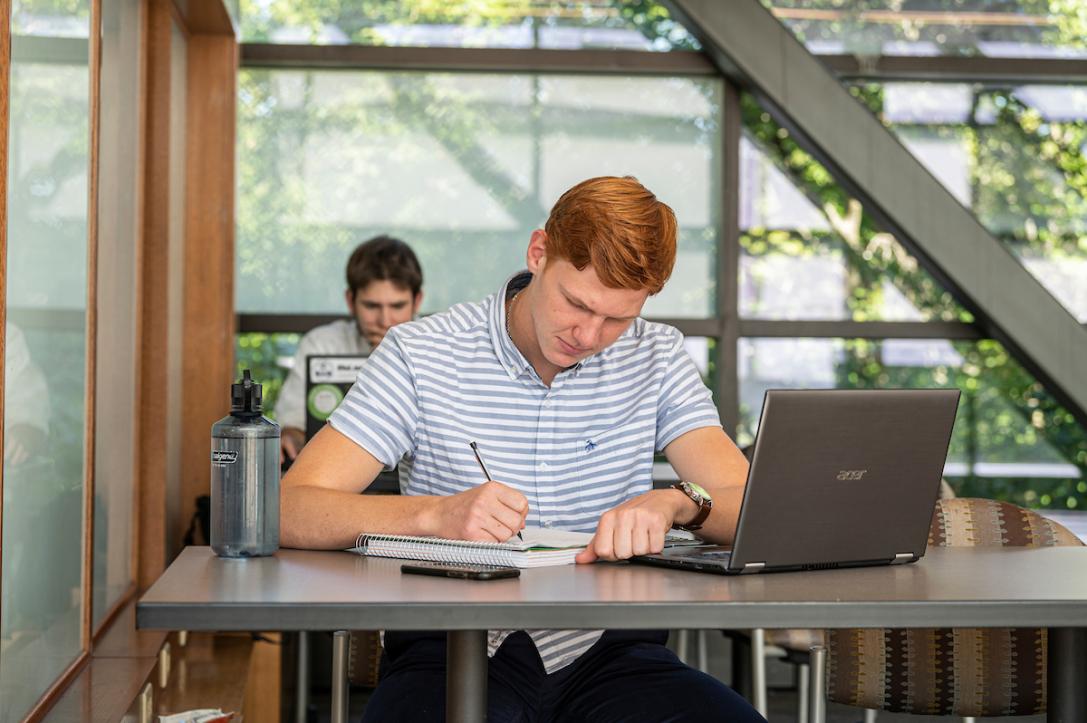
[[637, 527]]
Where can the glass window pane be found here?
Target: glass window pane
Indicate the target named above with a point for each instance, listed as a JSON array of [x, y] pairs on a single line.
[[808, 251], [268, 357], [1011, 440], [45, 351], [118, 215], [463, 168], [1017, 28], [1017, 157], [562, 25]]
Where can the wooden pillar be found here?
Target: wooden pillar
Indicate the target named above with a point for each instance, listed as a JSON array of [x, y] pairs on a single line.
[[5, 85], [208, 338], [187, 290], [153, 295]]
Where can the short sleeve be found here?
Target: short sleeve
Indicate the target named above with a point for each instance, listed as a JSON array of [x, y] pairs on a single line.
[[381, 412], [684, 403]]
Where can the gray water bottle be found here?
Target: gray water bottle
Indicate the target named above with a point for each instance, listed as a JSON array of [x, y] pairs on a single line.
[[245, 477]]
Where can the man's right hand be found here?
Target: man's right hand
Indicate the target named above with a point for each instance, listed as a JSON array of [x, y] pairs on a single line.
[[291, 441], [491, 512]]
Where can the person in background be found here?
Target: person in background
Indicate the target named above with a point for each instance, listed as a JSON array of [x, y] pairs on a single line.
[[384, 288]]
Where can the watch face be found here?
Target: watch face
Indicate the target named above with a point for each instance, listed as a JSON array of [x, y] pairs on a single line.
[[699, 490]]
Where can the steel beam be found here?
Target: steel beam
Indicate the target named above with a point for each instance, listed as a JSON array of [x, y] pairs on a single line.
[[846, 329], [757, 52], [301, 323], [950, 68], [490, 60]]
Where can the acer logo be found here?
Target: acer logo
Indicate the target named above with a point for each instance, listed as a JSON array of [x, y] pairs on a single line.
[[851, 474]]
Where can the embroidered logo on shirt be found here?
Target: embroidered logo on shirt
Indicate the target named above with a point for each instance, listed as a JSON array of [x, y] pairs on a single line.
[[590, 445]]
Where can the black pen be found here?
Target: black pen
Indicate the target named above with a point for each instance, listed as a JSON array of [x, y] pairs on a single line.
[[475, 451]]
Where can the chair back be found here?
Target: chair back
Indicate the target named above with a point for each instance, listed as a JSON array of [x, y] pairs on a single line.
[[952, 671]]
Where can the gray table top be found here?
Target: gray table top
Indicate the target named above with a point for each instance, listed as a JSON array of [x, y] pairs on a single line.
[[307, 590]]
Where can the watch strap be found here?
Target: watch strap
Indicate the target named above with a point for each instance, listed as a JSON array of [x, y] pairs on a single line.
[[705, 504]]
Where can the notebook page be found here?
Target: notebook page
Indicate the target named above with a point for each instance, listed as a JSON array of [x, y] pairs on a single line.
[[545, 538]]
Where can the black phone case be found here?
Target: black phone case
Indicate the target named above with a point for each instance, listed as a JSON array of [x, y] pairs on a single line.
[[462, 572]]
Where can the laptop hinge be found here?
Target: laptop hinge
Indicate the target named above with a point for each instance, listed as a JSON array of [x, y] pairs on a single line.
[[902, 558], [752, 567]]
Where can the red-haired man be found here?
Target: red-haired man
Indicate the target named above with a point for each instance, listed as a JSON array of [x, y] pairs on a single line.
[[569, 393]]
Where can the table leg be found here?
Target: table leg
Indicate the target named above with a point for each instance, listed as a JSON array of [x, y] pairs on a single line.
[[339, 676], [301, 700], [1067, 669], [466, 677], [817, 684]]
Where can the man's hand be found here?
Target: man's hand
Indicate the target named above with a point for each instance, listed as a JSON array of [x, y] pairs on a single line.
[[291, 441], [638, 526], [491, 512]]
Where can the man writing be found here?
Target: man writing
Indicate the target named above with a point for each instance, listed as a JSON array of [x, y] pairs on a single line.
[[568, 394], [384, 288]]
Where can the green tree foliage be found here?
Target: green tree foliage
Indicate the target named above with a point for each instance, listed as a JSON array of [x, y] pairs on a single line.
[[263, 355], [27, 18], [1006, 415], [1028, 178], [871, 254], [1029, 175], [865, 28], [363, 21]]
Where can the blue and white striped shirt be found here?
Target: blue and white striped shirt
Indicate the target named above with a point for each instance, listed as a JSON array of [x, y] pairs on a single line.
[[574, 449]]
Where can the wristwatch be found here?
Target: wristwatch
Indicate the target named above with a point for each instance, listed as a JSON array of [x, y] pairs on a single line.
[[701, 498]]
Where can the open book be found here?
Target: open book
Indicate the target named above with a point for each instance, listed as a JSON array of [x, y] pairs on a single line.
[[540, 548]]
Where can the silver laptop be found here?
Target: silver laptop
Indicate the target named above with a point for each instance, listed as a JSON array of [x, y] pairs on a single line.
[[838, 478]]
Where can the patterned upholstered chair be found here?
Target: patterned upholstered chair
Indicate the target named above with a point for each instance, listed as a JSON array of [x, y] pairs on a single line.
[[793, 645], [952, 671]]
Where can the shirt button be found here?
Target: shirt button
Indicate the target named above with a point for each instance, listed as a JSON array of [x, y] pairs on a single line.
[[543, 465], [547, 402], [547, 523]]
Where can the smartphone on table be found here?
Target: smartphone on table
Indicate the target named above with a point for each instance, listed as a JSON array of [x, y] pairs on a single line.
[[459, 570]]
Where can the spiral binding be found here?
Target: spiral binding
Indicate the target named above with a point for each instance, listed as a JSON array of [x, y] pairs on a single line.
[[436, 549], [366, 537]]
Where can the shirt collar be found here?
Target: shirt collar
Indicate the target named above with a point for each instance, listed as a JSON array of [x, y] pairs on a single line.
[[508, 354]]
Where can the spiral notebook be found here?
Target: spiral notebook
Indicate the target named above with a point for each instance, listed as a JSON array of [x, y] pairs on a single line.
[[540, 548]]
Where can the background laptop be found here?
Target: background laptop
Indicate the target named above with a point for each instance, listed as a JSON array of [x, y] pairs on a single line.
[[838, 478], [328, 379]]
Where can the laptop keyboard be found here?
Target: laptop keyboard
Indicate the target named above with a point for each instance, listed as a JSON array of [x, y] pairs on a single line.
[[724, 555]]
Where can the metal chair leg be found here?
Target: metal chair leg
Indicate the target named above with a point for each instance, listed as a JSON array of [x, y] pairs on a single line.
[[817, 685], [802, 692], [339, 676], [969, 719], [682, 643], [870, 715], [758, 670], [703, 651]]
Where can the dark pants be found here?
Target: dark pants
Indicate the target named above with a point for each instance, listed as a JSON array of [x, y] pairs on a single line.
[[625, 676]]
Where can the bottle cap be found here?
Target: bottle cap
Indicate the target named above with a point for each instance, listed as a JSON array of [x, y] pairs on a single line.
[[245, 397]]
